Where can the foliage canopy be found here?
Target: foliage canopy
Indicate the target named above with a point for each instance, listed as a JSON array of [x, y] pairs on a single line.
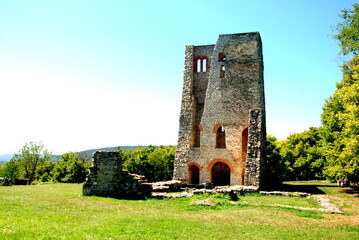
[[30, 157], [302, 155], [348, 31], [341, 123], [156, 164], [70, 169]]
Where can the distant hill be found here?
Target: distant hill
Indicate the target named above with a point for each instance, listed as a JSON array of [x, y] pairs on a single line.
[[86, 154]]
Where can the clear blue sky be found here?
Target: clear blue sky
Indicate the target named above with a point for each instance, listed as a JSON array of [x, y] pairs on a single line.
[[87, 74]]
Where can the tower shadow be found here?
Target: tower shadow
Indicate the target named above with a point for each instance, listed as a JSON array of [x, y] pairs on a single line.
[[312, 188]]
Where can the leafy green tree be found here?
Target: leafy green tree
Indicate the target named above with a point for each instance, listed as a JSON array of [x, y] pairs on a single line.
[[303, 155], [156, 164], [137, 162], [276, 168], [340, 120], [10, 170], [126, 154], [70, 169], [348, 31], [340, 115], [162, 160], [30, 157], [44, 172]]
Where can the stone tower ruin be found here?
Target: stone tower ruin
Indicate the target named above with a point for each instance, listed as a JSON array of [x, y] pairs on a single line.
[[222, 122]]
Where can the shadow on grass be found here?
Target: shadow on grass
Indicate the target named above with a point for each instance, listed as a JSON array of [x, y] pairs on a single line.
[[313, 188], [354, 191]]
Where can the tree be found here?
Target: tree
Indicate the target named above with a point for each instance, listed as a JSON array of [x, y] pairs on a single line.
[[30, 157], [162, 160], [44, 171], [340, 120], [156, 164], [84, 156], [276, 168], [10, 170], [137, 162], [340, 115], [303, 155], [348, 31], [70, 169]]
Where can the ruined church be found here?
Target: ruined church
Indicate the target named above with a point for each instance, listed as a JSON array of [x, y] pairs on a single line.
[[222, 129]]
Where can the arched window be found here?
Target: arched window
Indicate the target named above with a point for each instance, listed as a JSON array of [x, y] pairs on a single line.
[[220, 137], [201, 64], [204, 65]]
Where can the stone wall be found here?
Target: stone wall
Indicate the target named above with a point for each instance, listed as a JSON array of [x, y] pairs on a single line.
[[219, 97], [255, 173], [187, 117], [107, 179]]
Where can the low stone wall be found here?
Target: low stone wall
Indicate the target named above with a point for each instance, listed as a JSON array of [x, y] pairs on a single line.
[[293, 194], [167, 186], [327, 205], [107, 179], [189, 192]]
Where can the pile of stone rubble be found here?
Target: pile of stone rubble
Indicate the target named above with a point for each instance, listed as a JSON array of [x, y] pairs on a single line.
[[162, 190], [293, 194], [168, 186]]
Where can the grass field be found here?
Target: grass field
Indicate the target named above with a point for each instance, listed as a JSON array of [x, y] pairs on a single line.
[[59, 211]]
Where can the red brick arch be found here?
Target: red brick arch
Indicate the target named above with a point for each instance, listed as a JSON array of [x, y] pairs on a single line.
[[210, 165], [195, 164], [215, 129]]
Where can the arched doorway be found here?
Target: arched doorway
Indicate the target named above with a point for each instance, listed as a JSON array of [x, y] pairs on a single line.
[[221, 174], [193, 174]]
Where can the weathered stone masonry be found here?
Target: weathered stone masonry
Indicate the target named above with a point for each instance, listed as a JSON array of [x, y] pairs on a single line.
[[222, 121], [107, 179]]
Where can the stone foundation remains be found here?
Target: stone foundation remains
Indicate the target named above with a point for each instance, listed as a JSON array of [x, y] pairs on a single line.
[[107, 179]]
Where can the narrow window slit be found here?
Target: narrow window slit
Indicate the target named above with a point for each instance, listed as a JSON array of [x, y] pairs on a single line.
[[199, 63], [204, 65], [222, 71]]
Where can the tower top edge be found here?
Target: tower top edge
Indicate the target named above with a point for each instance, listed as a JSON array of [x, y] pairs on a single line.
[[238, 34], [207, 45], [223, 35]]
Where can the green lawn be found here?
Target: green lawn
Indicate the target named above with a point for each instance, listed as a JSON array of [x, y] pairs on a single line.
[[59, 211]]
